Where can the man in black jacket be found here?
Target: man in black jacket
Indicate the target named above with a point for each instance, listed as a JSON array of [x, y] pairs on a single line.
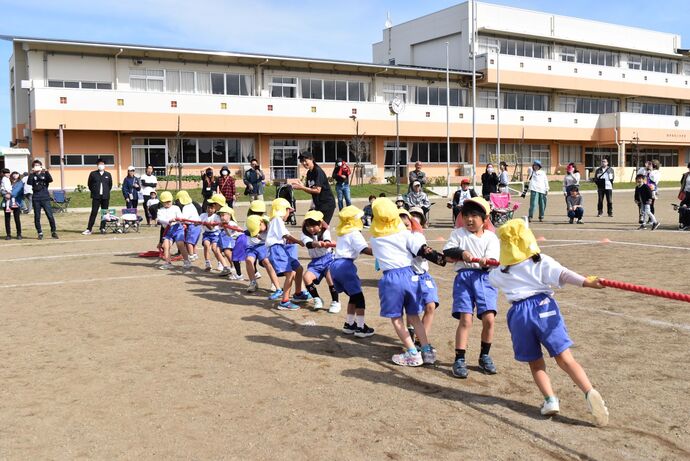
[[100, 184], [39, 180], [317, 185]]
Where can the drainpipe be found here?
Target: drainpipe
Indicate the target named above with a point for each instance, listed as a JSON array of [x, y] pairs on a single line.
[[119, 157], [116, 79], [259, 80], [621, 152]]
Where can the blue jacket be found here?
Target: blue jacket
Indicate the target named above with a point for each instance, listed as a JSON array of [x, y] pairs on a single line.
[[17, 193], [128, 187]]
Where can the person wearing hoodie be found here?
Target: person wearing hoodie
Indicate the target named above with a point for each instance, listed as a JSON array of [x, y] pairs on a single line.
[[418, 198]]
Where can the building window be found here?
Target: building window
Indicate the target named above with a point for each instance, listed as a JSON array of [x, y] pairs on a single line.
[[639, 107], [390, 91], [594, 156], [582, 105], [590, 56], [82, 159], [80, 84], [435, 152], [568, 54], [665, 157], [147, 79], [487, 98], [652, 64], [330, 151], [569, 154], [436, 96], [529, 49], [283, 87], [524, 153], [231, 84], [334, 90], [524, 101]]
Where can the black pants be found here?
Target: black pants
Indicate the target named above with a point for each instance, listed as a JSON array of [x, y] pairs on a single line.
[[43, 203], [146, 210], [608, 193], [17, 221], [134, 203], [328, 214], [97, 204]]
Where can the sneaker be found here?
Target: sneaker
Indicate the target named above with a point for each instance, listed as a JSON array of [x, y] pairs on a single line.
[[86, 232], [406, 359], [598, 215], [54, 235], [301, 297], [40, 236], [257, 276], [193, 257], [597, 407], [655, 225], [318, 304], [166, 266], [429, 356], [276, 295], [288, 306], [541, 219], [642, 227], [349, 329], [610, 215], [102, 231], [550, 407], [579, 221], [334, 308], [486, 365], [225, 272], [207, 266], [364, 332], [570, 221], [9, 237], [252, 286], [187, 265], [234, 276], [19, 237], [219, 267], [460, 369]]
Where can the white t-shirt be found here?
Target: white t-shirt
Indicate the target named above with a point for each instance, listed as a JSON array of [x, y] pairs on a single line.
[[232, 233], [6, 185], [151, 202], [28, 189], [317, 252], [165, 215], [100, 187], [189, 212], [528, 278], [277, 230], [214, 218], [419, 264], [349, 246], [464, 195], [539, 182], [395, 251], [687, 183], [486, 246], [149, 179]]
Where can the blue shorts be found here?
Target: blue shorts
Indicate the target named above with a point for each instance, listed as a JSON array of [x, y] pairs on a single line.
[[345, 278], [225, 241], [175, 233], [471, 289], [211, 237], [535, 321], [283, 258], [400, 290], [258, 252], [192, 234], [239, 252], [430, 291], [319, 266]]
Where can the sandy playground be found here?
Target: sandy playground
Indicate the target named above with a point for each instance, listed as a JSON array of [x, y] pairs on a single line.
[[103, 356]]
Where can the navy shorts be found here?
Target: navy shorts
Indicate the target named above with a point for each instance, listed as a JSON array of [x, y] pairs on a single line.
[[192, 234], [430, 291], [211, 237], [471, 289], [319, 266], [175, 233], [239, 252], [283, 258], [535, 321], [258, 252], [400, 291], [345, 278]]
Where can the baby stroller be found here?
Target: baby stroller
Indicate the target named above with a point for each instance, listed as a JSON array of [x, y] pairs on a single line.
[[285, 191], [130, 220], [502, 209]]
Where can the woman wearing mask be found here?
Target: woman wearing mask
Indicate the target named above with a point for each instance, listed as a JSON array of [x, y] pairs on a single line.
[[503, 178], [130, 188], [209, 186], [39, 180], [149, 182], [17, 195], [226, 186], [570, 180], [341, 174], [489, 182]]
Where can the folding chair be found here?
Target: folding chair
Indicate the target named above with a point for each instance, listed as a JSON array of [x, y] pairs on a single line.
[[130, 220], [59, 201], [110, 221]]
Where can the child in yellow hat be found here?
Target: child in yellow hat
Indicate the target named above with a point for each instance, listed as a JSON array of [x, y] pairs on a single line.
[[282, 253], [209, 239], [190, 210], [315, 235], [471, 288], [256, 251], [400, 289], [526, 277], [349, 246], [227, 240], [171, 230]]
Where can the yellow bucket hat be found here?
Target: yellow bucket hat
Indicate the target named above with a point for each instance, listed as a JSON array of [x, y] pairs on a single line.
[[350, 220], [166, 197], [481, 201], [314, 215], [254, 225], [386, 218], [517, 242], [217, 199], [183, 197], [228, 210], [279, 207], [258, 206]]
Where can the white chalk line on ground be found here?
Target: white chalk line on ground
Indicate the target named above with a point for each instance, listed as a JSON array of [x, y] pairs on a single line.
[[50, 241], [64, 282], [567, 244], [73, 255], [633, 318]]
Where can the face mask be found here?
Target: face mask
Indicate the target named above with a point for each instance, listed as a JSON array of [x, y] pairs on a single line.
[[570, 170], [489, 170], [37, 168], [224, 173], [209, 174], [101, 167], [340, 163]]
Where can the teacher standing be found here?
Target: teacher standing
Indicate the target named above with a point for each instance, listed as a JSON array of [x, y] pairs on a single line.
[[317, 185], [100, 184]]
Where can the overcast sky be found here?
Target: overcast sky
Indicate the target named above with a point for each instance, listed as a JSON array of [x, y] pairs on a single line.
[[324, 29]]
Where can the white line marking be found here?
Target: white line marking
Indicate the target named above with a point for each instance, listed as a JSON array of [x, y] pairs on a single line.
[[567, 244], [651, 245], [74, 255], [64, 282], [634, 318], [57, 242]]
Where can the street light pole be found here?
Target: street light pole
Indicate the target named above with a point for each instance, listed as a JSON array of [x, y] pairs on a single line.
[[62, 157], [497, 48], [397, 156], [474, 94], [448, 119]]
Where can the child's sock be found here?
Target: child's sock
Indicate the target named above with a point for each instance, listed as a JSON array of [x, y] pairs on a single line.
[[286, 297], [459, 354], [238, 267], [359, 319], [485, 348], [427, 348], [313, 291], [350, 319], [334, 293], [413, 351]]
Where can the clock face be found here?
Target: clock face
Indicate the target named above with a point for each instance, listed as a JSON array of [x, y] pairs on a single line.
[[397, 105]]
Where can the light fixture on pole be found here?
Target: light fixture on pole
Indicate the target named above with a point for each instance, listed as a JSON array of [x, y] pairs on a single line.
[[397, 106]]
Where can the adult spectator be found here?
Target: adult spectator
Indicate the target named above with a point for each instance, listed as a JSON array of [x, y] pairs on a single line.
[[417, 175], [209, 186], [503, 177], [684, 197], [317, 185], [131, 188], [570, 181], [149, 182], [100, 184], [28, 193], [226, 186], [603, 178], [418, 198], [489, 182], [341, 174], [254, 181], [39, 180], [13, 204], [538, 190]]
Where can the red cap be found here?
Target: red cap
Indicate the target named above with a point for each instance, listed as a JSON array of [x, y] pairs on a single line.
[[465, 181]]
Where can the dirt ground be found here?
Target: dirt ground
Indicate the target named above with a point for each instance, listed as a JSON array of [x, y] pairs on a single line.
[[104, 356]]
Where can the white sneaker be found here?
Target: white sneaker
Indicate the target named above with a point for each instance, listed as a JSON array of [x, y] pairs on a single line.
[[550, 407], [187, 265], [273, 287], [166, 266], [408, 360], [258, 276], [252, 287], [207, 266], [318, 304], [86, 232], [193, 257], [334, 307], [219, 267], [597, 407], [234, 276]]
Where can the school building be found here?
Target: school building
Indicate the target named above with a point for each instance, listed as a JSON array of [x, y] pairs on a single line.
[[571, 90]]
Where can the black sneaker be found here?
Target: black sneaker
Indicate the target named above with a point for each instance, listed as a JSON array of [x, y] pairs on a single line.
[[9, 237], [40, 236], [349, 329], [610, 215], [642, 227], [19, 237], [364, 332], [54, 235], [655, 225], [571, 221], [598, 215]]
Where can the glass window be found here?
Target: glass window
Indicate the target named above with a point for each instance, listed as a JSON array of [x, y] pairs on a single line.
[[56, 84], [454, 97], [217, 83], [433, 96], [232, 84], [234, 154], [88, 85], [205, 150], [189, 151], [422, 95], [341, 90], [186, 82], [330, 153], [203, 82], [342, 150], [392, 90], [284, 87], [569, 154], [353, 93], [172, 81], [594, 155], [329, 89]]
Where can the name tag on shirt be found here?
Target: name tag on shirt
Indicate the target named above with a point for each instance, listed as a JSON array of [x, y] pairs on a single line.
[[415, 278], [543, 315]]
